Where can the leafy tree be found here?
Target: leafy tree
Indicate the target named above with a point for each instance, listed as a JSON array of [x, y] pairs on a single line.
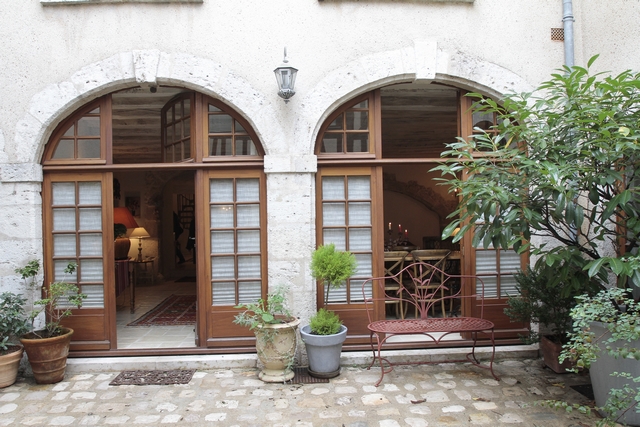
[[560, 164]]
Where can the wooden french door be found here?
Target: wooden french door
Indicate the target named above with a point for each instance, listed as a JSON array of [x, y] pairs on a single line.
[[76, 224], [495, 267], [231, 247], [345, 209]]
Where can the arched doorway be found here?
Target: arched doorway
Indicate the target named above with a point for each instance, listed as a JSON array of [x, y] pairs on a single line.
[[157, 153], [376, 193]]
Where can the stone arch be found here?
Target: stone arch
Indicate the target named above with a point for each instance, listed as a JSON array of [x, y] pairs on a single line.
[[423, 61], [145, 68]]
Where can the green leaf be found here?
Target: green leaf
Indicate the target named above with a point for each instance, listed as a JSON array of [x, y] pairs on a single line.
[[595, 266], [624, 131], [616, 265]]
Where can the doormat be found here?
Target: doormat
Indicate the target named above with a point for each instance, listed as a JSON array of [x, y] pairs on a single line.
[[301, 376], [175, 310], [186, 279], [176, 376], [584, 389]]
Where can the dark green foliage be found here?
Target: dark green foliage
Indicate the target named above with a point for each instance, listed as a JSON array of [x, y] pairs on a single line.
[[59, 298], [562, 165], [325, 322], [261, 312], [621, 341], [542, 301], [13, 319]]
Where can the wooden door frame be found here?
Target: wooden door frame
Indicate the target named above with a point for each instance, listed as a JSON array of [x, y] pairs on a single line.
[[208, 316], [80, 316]]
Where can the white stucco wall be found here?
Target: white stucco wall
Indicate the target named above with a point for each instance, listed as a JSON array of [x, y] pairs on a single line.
[[56, 58]]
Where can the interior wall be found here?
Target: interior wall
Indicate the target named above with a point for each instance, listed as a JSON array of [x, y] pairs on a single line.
[[182, 184], [413, 216], [134, 186]]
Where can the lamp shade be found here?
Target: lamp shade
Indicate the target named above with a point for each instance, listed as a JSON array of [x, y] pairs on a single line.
[[123, 216], [139, 233]]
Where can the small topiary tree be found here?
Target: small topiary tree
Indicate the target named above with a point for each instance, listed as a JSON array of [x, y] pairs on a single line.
[[332, 267]]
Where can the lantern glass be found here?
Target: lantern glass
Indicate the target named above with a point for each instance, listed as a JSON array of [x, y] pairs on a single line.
[[286, 77]]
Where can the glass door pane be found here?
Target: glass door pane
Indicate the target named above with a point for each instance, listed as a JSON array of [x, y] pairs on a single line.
[[77, 236], [347, 223], [236, 261]]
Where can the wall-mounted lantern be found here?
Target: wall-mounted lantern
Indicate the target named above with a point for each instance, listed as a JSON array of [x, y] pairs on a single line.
[[286, 77]]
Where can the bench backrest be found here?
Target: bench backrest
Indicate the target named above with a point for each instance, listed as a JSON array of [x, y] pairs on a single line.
[[423, 289]]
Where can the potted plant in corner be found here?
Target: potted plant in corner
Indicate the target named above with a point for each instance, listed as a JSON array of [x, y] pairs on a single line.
[[13, 323], [549, 305], [606, 340], [47, 348], [275, 331], [325, 333]]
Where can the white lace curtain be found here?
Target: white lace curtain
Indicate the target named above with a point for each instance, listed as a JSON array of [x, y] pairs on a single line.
[[235, 240], [77, 237], [346, 210]]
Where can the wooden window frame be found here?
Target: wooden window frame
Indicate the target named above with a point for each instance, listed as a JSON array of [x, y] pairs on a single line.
[[164, 125], [104, 103], [206, 157], [375, 151]]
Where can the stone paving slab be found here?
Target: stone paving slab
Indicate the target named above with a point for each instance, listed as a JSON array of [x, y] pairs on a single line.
[[413, 396]]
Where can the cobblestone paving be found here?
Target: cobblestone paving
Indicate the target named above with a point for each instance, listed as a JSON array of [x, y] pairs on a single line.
[[414, 396]]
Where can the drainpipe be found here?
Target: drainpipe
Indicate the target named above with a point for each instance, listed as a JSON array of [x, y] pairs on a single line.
[[567, 19]]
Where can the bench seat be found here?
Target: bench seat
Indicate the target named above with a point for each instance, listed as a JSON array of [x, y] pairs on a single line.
[[430, 325], [425, 290]]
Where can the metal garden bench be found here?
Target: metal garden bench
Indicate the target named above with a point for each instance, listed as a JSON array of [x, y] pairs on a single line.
[[422, 288]]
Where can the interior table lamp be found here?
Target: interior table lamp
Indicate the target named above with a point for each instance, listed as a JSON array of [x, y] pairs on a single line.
[[139, 233]]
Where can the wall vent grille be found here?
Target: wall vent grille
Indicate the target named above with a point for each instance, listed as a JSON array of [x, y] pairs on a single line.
[[557, 34]]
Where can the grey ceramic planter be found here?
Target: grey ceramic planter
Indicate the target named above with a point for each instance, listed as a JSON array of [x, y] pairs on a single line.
[[323, 352], [601, 378]]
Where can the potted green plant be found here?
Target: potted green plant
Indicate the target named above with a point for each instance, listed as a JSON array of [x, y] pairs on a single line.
[[13, 323], [47, 348], [537, 301], [606, 340], [325, 333], [556, 176], [275, 331]]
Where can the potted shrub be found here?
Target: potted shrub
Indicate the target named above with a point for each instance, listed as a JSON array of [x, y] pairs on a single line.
[[325, 333], [275, 331], [537, 301], [47, 348], [606, 339], [13, 323]]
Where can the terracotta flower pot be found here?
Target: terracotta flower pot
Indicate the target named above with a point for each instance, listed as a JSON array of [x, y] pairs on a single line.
[[9, 364], [550, 353], [47, 356]]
